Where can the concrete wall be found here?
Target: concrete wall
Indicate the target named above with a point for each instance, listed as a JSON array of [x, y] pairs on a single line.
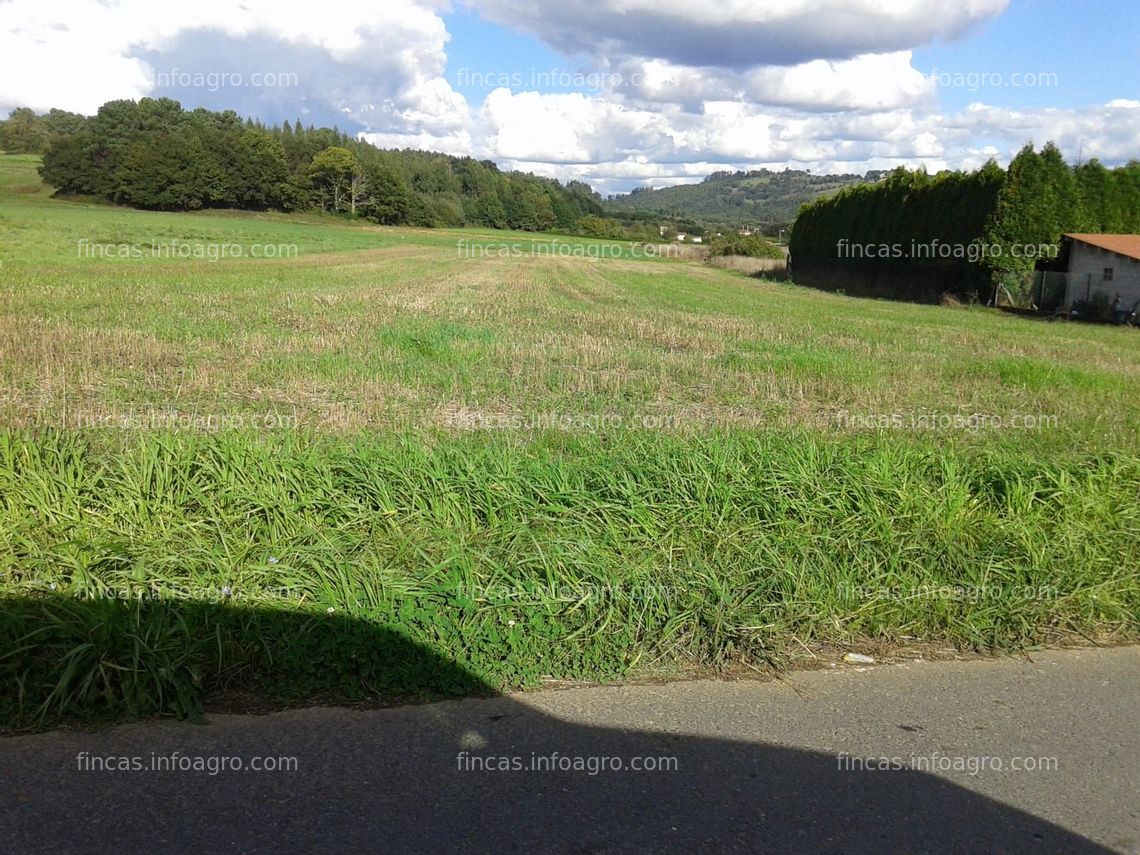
[[1086, 267]]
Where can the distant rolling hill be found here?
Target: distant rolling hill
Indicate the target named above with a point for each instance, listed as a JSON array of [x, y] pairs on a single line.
[[756, 198]]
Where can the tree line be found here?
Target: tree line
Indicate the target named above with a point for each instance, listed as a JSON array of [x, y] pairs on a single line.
[[154, 154], [991, 220]]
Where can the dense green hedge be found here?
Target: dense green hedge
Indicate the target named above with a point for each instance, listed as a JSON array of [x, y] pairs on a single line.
[[904, 209], [1000, 222]]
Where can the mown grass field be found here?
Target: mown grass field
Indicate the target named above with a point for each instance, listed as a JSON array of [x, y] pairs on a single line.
[[231, 474]]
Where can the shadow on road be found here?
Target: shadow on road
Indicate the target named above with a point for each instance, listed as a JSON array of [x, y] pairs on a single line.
[[429, 778]]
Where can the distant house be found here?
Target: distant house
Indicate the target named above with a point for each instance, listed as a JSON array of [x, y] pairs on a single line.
[[698, 240], [681, 236], [1109, 264]]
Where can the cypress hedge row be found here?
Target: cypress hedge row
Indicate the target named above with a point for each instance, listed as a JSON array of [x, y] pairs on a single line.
[[912, 235]]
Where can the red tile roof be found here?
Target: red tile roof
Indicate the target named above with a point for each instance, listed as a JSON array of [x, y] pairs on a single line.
[[1128, 245]]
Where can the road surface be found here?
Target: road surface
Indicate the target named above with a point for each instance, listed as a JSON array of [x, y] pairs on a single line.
[[1037, 754]]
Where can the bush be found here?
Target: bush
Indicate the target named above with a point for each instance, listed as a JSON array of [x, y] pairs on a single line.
[[752, 246]]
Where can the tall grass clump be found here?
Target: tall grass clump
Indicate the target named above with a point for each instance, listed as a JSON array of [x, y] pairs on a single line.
[[143, 575]]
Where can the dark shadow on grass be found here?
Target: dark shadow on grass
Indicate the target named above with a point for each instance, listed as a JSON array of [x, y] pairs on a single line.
[[100, 659], [417, 778]]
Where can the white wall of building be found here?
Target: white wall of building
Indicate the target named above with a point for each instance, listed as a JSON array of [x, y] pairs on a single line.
[[1087, 268]]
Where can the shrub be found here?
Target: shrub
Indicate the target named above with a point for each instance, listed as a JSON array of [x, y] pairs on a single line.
[[752, 246]]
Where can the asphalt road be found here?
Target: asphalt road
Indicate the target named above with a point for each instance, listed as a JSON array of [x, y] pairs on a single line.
[[1037, 754]]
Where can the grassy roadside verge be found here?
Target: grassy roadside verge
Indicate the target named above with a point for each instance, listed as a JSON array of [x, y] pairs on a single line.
[[142, 574]]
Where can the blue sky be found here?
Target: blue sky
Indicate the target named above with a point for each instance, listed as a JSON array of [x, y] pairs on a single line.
[[666, 91], [480, 51], [1092, 47]]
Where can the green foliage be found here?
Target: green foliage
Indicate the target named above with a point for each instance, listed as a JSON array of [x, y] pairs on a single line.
[[1037, 203], [752, 246], [141, 578], [1043, 198], [906, 209], [259, 172], [169, 173], [388, 201], [333, 173], [152, 154], [598, 227], [999, 222], [23, 132]]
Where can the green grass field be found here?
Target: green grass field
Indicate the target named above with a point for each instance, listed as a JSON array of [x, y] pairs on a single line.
[[580, 465]]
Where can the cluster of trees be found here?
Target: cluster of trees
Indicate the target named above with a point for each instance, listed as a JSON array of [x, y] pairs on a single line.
[[24, 132], [154, 154], [620, 228], [1043, 197], [991, 221]]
